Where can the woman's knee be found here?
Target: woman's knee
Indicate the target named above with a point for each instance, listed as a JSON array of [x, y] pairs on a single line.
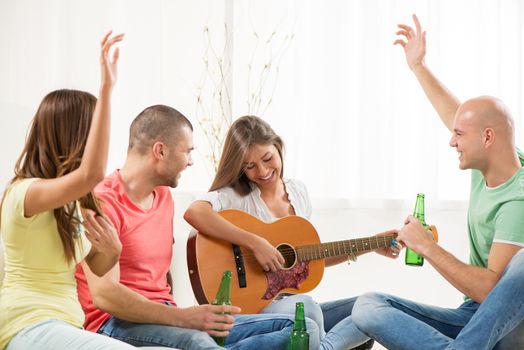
[[314, 333], [309, 302], [287, 306], [312, 309], [366, 308]]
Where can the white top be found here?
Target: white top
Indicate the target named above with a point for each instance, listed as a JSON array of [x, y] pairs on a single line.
[[227, 198]]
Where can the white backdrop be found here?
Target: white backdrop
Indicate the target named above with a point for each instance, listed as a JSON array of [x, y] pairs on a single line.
[[359, 131], [354, 120]]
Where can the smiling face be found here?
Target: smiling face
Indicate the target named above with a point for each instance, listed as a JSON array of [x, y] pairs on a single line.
[[177, 158], [263, 165], [468, 139], [252, 154]]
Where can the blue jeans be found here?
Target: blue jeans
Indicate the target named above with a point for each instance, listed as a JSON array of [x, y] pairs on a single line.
[[58, 335], [333, 320], [250, 332], [497, 323]]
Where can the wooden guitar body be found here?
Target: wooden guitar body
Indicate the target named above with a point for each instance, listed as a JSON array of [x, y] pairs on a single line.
[[252, 288], [209, 257]]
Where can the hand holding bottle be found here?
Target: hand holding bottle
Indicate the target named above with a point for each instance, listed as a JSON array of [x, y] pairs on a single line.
[[223, 299], [415, 236], [216, 320]]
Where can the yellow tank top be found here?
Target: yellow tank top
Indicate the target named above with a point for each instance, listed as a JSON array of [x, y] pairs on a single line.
[[39, 284]]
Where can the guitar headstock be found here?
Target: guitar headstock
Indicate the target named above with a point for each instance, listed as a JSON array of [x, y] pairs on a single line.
[[434, 232]]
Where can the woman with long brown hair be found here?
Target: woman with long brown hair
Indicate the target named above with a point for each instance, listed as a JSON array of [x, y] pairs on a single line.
[[50, 220], [250, 178]]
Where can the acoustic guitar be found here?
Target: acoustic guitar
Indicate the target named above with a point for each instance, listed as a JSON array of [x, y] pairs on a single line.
[[252, 288]]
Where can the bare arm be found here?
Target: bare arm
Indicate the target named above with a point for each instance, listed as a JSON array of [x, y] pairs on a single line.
[[169, 278], [475, 282], [202, 217], [111, 296], [414, 44], [48, 194], [390, 252]]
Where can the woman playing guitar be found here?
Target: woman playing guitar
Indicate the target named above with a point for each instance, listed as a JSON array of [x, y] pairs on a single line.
[[250, 178]]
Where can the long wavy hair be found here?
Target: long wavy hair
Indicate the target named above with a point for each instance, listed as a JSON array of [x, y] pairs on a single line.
[[244, 132], [54, 147]]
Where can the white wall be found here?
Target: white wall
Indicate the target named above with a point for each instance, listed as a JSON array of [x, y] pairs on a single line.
[[345, 102], [50, 44]]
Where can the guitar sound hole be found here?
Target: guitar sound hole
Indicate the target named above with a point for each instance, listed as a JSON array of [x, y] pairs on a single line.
[[289, 254]]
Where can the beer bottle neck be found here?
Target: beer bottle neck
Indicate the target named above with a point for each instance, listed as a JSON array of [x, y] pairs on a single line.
[[300, 322], [224, 291], [299, 325], [418, 212]]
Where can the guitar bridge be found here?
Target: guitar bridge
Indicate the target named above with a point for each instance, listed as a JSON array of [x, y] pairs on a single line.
[[239, 263]]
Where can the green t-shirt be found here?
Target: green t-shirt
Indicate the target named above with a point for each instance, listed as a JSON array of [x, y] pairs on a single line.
[[495, 214]]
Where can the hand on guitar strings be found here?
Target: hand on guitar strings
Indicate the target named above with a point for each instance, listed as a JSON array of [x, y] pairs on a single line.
[[394, 249], [267, 256]]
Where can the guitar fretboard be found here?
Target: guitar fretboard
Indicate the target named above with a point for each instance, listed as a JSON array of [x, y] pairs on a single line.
[[347, 247]]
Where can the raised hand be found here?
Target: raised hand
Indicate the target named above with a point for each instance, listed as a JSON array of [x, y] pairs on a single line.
[[101, 233], [413, 42], [109, 65]]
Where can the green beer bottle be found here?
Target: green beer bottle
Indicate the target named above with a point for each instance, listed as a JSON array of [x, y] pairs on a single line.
[[223, 298], [412, 258], [299, 339]]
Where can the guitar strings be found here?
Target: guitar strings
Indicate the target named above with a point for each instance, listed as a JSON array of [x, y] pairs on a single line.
[[319, 250]]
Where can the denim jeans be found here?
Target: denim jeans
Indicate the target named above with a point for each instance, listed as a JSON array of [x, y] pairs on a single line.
[[336, 329], [58, 335], [497, 323], [499, 320], [249, 332]]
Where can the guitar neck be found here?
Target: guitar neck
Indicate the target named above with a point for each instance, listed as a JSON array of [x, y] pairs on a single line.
[[347, 247]]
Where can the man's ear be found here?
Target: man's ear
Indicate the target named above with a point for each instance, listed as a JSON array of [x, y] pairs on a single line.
[[488, 136], [158, 150]]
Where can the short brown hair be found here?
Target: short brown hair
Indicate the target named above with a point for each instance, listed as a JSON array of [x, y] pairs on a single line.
[[155, 123]]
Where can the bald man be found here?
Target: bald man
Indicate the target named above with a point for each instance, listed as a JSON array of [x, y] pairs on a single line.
[[491, 316]]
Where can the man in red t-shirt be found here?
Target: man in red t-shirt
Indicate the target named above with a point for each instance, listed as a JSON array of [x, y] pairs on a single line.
[[132, 302]]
